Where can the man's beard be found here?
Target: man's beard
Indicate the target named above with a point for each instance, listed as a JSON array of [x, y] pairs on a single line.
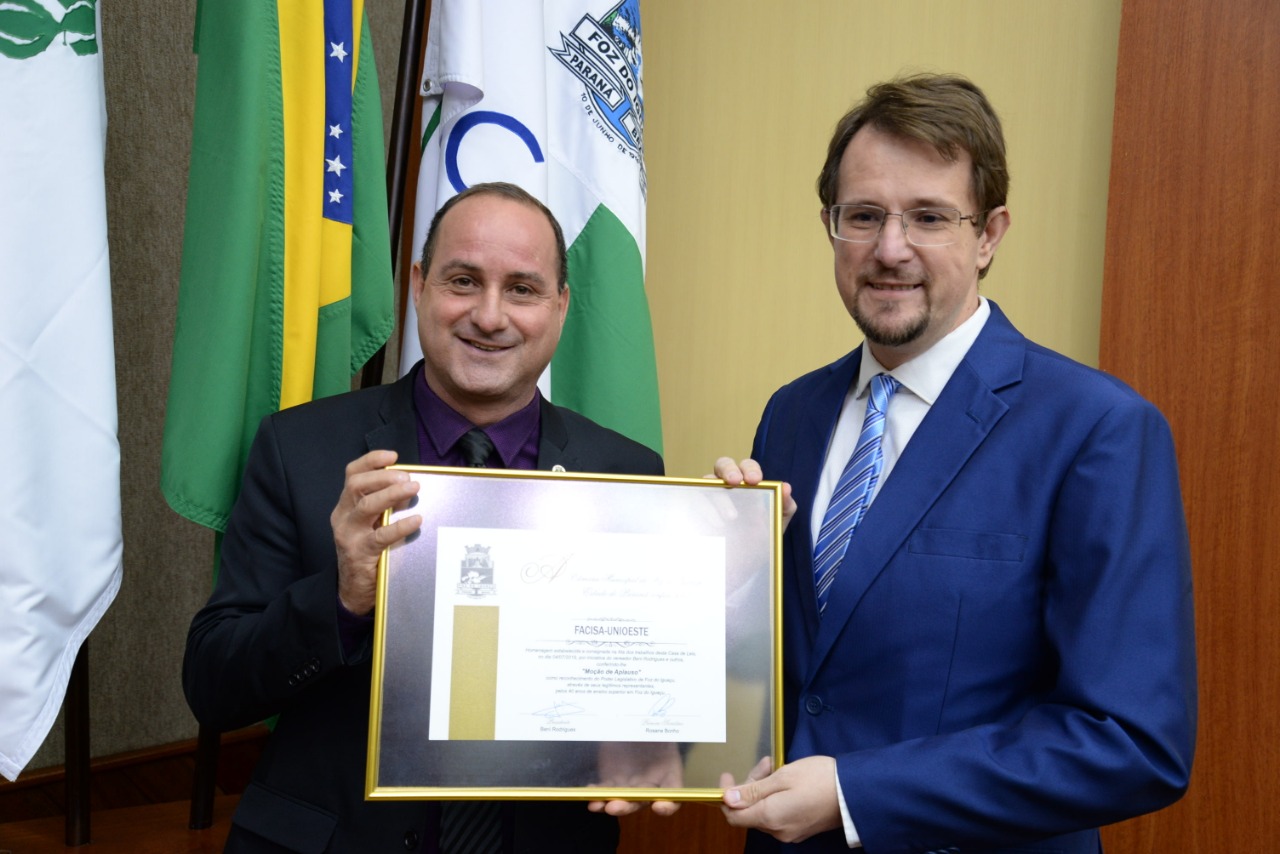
[[886, 335]]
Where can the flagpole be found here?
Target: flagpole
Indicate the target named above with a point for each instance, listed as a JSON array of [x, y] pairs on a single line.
[[208, 746], [204, 782], [403, 134], [76, 748]]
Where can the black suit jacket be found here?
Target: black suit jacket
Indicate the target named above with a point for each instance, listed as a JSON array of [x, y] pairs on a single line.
[[267, 642]]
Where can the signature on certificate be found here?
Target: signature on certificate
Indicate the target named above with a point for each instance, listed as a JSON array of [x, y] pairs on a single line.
[[558, 711], [659, 720], [662, 705], [544, 569]]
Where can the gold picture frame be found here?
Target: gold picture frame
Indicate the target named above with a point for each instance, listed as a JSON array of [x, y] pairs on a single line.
[[560, 636]]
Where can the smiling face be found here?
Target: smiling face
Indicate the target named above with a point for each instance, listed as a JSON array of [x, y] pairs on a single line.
[[489, 308], [906, 298]]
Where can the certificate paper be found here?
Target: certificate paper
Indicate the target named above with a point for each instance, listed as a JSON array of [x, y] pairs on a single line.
[[595, 637]]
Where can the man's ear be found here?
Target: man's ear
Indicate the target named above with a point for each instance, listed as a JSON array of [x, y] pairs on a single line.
[[564, 305], [992, 233], [416, 282]]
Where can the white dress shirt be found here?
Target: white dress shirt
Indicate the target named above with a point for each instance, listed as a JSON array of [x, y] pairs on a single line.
[[923, 379]]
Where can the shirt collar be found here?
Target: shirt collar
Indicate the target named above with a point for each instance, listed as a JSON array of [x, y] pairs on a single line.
[[927, 374], [444, 425]]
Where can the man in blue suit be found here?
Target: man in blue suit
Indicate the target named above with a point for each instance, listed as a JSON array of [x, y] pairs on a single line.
[[988, 634]]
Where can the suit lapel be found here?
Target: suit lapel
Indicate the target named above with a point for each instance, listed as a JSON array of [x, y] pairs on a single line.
[[553, 446], [398, 427], [957, 424]]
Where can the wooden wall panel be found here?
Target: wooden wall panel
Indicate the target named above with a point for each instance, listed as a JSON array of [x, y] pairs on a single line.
[[1191, 309], [697, 827]]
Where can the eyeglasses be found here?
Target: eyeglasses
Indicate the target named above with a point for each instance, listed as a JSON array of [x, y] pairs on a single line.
[[921, 226]]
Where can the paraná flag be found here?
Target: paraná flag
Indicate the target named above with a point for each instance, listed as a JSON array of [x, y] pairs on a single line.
[[547, 94], [60, 542], [286, 265]]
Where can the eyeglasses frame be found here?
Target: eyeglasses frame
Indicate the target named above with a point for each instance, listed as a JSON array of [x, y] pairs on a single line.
[[906, 229]]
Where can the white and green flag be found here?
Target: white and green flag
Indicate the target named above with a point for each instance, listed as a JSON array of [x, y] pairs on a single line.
[[547, 94], [60, 543]]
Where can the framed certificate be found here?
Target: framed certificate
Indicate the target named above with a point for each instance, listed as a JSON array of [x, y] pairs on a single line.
[[572, 636]]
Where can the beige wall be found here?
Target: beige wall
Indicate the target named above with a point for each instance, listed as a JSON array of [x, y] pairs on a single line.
[[741, 98]]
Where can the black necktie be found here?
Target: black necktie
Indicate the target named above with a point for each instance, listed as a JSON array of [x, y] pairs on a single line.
[[476, 448], [472, 827]]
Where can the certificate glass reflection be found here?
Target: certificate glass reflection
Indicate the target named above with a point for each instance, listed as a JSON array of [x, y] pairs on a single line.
[[576, 636]]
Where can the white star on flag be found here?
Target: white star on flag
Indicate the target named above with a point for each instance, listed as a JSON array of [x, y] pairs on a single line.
[[335, 131], [335, 165], [338, 50], [335, 196]]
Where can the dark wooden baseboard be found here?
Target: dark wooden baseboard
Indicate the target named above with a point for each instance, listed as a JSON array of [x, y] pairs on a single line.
[[151, 829], [156, 775]]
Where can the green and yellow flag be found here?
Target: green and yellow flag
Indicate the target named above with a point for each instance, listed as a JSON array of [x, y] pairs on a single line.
[[286, 267]]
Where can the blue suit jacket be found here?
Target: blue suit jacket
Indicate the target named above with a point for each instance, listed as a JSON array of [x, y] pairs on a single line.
[[1007, 657]]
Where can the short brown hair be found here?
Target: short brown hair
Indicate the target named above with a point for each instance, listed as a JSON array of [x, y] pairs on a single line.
[[506, 191], [945, 111]]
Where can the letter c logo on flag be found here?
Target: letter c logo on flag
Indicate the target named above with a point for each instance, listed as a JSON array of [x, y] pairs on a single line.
[[483, 117]]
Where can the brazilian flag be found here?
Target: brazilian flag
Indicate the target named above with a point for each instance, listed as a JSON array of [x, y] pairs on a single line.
[[286, 285]]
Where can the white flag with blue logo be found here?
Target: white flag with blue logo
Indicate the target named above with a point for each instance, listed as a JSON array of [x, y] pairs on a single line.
[[60, 544], [548, 94]]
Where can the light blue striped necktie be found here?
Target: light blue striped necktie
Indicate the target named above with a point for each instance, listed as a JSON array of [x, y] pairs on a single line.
[[854, 490]]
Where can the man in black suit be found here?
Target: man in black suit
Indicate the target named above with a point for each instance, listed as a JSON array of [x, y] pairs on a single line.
[[287, 630]]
